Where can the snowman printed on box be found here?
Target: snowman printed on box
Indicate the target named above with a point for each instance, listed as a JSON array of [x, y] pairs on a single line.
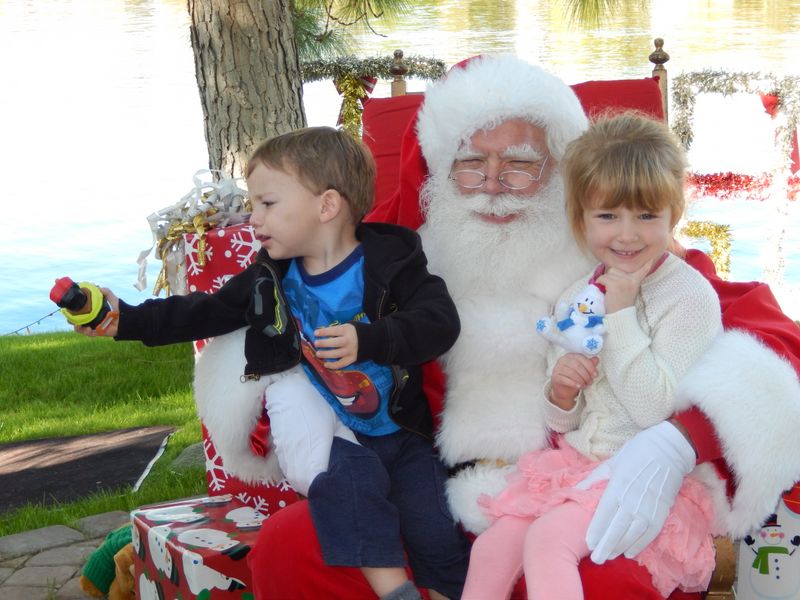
[[769, 559]]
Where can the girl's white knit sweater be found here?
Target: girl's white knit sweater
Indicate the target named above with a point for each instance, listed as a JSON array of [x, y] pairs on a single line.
[[648, 348]]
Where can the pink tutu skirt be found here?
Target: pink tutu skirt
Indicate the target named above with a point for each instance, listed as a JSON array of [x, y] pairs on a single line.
[[681, 556]]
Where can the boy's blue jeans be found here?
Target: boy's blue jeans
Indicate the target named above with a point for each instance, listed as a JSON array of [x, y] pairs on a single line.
[[386, 496]]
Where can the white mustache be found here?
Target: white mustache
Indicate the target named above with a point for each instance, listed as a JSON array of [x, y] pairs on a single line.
[[500, 205]]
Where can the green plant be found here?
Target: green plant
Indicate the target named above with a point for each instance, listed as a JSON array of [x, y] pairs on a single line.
[[62, 384], [324, 28]]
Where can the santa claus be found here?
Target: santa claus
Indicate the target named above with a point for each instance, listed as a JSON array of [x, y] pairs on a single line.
[[503, 246]]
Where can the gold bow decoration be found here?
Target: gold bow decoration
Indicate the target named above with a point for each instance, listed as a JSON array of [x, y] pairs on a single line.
[[208, 204], [172, 243], [352, 89], [354, 78]]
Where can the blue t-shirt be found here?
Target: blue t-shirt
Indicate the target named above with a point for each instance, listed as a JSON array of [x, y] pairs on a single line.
[[360, 392]]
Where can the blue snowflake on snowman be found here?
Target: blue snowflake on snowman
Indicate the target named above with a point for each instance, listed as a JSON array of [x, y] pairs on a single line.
[[577, 327]]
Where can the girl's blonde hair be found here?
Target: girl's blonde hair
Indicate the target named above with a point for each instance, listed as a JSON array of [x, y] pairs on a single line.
[[627, 160]]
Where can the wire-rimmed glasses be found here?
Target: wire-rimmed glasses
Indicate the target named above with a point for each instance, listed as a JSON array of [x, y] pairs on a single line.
[[512, 180]]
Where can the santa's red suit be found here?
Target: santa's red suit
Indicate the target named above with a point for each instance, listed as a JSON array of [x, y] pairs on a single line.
[[742, 401]]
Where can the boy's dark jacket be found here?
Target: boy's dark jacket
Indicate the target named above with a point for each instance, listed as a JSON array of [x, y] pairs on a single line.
[[412, 317]]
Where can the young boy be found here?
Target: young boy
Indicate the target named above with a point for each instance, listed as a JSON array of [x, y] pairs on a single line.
[[355, 306]]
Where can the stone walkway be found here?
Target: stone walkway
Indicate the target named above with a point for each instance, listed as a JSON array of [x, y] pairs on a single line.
[[45, 564]]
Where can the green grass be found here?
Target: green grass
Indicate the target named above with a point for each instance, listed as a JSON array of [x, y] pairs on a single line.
[[62, 384]]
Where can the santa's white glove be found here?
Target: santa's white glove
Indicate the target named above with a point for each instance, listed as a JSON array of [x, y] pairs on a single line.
[[644, 477]]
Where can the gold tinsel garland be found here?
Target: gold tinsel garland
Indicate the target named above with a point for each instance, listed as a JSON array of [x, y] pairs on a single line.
[[377, 66], [347, 73], [719, 236], [686, 87]]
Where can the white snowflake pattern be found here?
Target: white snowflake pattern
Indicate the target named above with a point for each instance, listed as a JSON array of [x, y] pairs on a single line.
[[244, 245], [284, 486], [256, 502], [193, 268], [217, 475], [218, 282]]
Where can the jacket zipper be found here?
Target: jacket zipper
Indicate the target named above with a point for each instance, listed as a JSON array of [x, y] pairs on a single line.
[[379, 312]]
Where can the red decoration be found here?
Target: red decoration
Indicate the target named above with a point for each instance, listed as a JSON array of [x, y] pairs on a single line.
[[369, 83], [772, 104], [727, 185], [792, 499]]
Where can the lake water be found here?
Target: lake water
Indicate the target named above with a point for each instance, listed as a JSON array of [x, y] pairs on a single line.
[[100, 119]]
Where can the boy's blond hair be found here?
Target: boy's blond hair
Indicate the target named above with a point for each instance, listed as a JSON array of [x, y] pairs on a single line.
[[323, 158], [627, 160]]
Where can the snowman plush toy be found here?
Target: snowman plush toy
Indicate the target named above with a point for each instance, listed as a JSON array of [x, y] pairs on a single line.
[[775, 571], [578, 327]]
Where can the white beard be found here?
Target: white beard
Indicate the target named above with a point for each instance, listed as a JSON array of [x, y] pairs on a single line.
[[502, 277], [475, 255]]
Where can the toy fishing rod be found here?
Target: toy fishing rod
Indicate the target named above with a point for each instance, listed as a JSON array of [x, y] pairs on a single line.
[[83, 304]]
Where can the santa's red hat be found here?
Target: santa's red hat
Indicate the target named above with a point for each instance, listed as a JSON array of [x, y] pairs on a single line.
[[479, 93], [488, 91]]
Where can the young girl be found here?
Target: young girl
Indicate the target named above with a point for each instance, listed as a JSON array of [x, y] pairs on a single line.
[[624, 182]]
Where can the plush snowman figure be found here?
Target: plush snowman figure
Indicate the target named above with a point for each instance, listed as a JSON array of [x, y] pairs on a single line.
[[577, 327], [775, 569]]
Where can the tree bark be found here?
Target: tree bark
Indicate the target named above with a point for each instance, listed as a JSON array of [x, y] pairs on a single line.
[[248, 74]]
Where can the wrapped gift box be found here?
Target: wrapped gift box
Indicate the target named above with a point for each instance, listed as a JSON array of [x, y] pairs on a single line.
[[211, 260], [218, 255], [194, 549], [769, 559]]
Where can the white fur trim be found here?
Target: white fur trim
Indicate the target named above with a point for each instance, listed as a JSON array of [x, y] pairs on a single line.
[[752, 396], [708, 476], [230, 408], [487, 92], [464, 488]]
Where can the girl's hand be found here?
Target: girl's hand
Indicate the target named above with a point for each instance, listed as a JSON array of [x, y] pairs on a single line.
[[338, 342], [572, 373], [621, 287], [111, 329]]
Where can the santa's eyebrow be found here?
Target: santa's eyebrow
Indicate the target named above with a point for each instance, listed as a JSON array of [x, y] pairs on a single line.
[[519, 152], [468, 153], [522, 152]]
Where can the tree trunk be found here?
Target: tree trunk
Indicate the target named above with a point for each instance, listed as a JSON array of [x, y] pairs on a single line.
[[248, 74]]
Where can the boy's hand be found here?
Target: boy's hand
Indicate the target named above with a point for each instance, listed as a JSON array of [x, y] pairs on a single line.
[[571, 374], [109, 331], [622, 287], [339, 342]]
